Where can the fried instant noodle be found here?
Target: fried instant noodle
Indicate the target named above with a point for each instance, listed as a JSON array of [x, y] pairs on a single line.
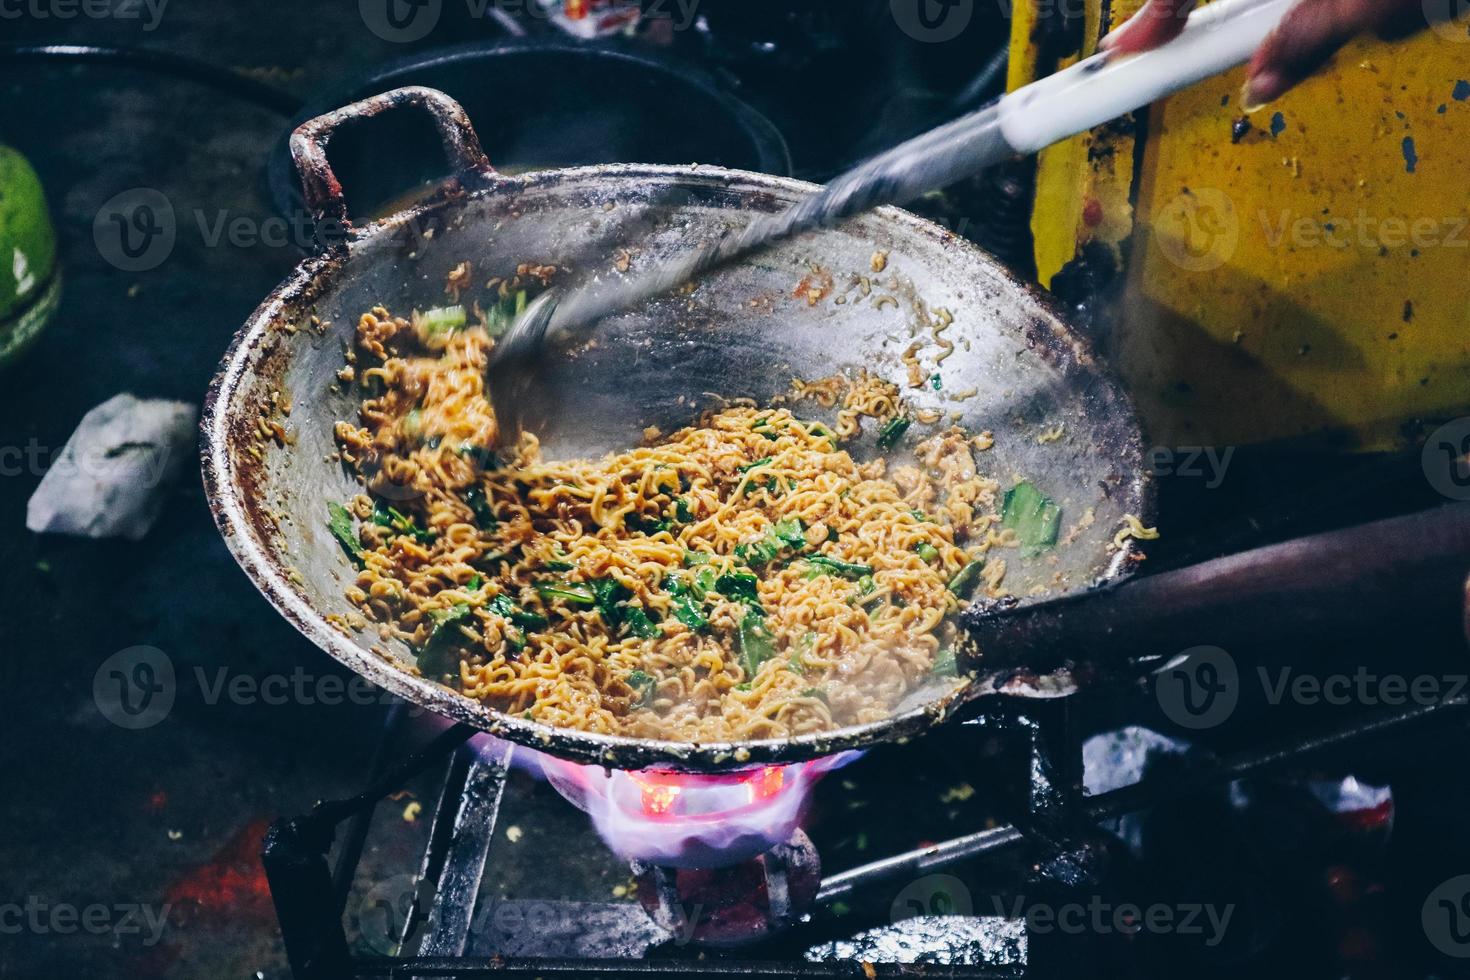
[[742, 578]]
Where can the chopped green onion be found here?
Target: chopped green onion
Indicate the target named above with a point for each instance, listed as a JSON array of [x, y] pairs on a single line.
[[926, 551], [441, 320], [892, 431], [936, 383], [965, 581]]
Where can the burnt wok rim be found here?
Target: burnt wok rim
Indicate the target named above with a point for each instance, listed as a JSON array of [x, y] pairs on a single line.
[[262, 562]]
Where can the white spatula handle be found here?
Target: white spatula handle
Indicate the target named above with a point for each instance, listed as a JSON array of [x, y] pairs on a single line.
[[1215, 39]]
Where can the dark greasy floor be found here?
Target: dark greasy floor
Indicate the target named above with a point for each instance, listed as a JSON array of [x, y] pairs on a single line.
[[172, 815], [169, 818]]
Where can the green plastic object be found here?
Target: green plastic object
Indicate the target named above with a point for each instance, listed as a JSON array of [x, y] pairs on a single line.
[[30, 284]]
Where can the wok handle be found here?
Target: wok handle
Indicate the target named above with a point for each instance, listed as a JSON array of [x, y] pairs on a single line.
[[1376, 574], [319, 185]]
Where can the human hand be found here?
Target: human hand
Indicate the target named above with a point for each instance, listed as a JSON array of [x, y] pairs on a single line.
[[1309, 34]]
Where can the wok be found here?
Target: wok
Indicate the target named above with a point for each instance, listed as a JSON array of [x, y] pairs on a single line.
[[744, 331]]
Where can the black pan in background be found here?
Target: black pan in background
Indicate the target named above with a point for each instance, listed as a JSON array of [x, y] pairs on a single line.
[[536, 104]]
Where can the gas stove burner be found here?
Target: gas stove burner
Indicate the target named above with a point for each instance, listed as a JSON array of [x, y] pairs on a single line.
[[734, 905], [691, 820]]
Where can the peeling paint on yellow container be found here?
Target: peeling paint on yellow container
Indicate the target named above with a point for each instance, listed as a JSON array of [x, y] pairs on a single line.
[[1307, 277]]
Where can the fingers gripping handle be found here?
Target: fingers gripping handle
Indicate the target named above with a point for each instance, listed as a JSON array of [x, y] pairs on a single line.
[[1216, 38]]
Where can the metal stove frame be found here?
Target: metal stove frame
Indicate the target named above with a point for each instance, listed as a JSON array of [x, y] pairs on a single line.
[[1056, 821]]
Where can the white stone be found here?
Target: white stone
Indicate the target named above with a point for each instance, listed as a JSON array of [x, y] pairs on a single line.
[[110, 479]]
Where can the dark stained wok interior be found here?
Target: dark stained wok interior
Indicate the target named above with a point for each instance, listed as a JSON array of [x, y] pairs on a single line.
[[743, 332]]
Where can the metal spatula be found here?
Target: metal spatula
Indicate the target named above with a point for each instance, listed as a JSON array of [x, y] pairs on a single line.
[[1093, 91]]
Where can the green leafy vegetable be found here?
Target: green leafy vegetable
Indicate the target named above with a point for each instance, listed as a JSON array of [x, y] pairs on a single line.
[[936, 382], [683, 511], [946, 664], [926, 551], [1034, 517], [399, 523], [696, 558], [479, 505], [644, 684], [482, 456], [441, 320], [434, 659], [757, 464], [500, 316], [756, 643], [560, 566], [688, 599], [505, 607], [740, 587], [639, 623], [845, 569], [687, 611], [611, 598], [965, 581], [646, 525], [474, 583], [343, 529], [892, 431], [569, 592]]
